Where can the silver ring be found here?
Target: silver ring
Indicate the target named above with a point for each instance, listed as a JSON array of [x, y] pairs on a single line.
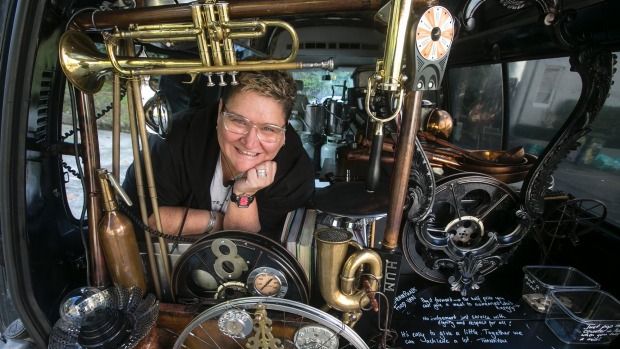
[[261, 172]]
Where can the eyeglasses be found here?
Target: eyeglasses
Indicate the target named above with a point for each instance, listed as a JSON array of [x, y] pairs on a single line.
[[238, 124]]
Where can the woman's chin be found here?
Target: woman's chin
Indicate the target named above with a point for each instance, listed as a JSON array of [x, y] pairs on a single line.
[[243, 167]]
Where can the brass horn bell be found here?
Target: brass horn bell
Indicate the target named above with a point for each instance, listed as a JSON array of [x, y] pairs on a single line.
[[211, 31], [337, 276], [82, 63]]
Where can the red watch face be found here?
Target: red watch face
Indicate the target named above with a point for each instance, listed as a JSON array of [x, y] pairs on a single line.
[[244, 201]]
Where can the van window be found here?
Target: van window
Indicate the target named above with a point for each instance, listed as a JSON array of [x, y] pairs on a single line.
[[476, 104], [103, 102], [319, 85], [542, 95]]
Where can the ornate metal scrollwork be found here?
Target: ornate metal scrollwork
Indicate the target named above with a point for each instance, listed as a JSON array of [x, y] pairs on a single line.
[[595, 67], [421, 185], [513, 4], [474, 227]]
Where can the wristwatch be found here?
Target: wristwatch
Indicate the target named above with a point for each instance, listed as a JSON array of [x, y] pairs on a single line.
[[242, 200]]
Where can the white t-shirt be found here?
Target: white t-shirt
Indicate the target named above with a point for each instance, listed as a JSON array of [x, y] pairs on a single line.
[[220, 194]]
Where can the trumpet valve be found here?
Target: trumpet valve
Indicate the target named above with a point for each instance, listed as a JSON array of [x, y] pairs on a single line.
[[222, 82], [209, 80], [233, 78]]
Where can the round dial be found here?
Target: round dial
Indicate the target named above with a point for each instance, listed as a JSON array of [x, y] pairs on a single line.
[[315, 337], [434, 33], [235, 323], [267, 282], [231, 290]]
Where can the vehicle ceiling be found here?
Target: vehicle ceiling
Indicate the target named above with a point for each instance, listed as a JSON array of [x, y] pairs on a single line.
[[500, 34]]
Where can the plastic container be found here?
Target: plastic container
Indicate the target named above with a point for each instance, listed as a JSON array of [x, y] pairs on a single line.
[[328, 151], [540, 280], [584, 316]]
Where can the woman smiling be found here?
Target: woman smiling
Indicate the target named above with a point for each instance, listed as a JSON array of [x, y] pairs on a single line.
[[236, 165]]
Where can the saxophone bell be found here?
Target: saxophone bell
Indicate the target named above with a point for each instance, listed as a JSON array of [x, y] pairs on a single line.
[[339, 276]]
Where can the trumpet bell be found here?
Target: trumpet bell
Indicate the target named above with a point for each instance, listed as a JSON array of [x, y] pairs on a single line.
[[81, 62]]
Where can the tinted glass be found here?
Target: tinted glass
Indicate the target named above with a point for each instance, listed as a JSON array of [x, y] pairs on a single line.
[[476, 104], [317, 85], [103, 103], [543, 94]]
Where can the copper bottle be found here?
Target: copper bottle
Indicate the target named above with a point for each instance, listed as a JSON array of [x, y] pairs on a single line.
[[118, 240]]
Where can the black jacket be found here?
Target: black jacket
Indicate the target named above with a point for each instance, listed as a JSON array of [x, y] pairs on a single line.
[[185, 162]]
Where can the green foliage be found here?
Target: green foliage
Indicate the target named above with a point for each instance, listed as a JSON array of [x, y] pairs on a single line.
[[315, 88], [103, 100]]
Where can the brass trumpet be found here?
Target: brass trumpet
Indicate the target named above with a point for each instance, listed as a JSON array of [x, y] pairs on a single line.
[[211, 29]]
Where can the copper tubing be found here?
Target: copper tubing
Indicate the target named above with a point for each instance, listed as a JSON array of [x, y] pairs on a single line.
[[364, 156], [116, 127], [137, 166], [402, 168], [148, 170], [441, 159], [387, 145], [237, 9], [90, 149]]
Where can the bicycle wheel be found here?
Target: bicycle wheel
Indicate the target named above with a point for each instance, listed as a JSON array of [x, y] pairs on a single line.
[[248, 322]]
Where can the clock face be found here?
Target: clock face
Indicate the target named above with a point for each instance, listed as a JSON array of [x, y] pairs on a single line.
[[315, 336], [435, 33], [267, 282], [231, 264]]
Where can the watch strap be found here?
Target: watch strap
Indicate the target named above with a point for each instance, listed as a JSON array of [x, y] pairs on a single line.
[[242, 200]]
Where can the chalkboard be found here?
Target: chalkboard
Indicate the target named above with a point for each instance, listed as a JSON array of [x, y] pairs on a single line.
[[435, 317]]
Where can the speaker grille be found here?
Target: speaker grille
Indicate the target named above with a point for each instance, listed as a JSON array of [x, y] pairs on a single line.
[[333, 235]]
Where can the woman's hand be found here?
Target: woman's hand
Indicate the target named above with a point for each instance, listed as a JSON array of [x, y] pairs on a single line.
[[256, 178]]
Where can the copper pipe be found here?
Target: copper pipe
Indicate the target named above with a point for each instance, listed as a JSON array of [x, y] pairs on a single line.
[[137, 166], [402, 168], [116, 127], [148, 170], [388, 146], [135, 146], [90, 149], [441, 159], [150, 178], [354, 156], [237, 9], [434, 159]]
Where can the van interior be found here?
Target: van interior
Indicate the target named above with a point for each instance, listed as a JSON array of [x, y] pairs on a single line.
[[466, 158]]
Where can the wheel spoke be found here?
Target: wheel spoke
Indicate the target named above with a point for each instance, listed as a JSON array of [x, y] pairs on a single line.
[[457, 204], [493, 207]]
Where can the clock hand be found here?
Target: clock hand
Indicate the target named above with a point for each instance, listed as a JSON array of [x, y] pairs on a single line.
[[268, 282]]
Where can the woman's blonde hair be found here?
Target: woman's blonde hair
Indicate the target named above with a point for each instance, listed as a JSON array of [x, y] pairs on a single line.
[[278, 85]]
